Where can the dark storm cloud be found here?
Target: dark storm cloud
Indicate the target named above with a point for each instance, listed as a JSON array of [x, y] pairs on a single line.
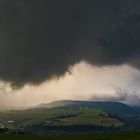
[[42, 38]]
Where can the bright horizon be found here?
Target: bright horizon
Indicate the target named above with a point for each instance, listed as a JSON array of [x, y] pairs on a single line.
[[85, 82]]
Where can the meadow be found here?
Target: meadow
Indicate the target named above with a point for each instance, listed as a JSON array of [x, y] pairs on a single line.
[[75, 118], [61, 116]]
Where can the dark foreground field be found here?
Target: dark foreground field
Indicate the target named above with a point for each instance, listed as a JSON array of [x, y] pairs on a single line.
[[117, 136]]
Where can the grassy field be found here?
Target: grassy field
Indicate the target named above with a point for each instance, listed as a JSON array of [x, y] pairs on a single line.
[[61, 116], [121, 136]]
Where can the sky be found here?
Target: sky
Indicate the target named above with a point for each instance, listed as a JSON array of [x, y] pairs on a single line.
[[75, 49], [85, 82]]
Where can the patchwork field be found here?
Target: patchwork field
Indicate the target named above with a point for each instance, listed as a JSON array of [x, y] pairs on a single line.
[[61, 116], [71, 117]]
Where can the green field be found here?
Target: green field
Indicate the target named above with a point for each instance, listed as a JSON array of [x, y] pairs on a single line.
[[119, 136], [62, 116], [76, 118]]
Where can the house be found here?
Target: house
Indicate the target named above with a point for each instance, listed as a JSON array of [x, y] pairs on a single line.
[[10, 121], [2, 126]]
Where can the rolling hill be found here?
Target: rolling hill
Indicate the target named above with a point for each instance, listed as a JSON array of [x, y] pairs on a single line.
[[73, 117], [115, 108]]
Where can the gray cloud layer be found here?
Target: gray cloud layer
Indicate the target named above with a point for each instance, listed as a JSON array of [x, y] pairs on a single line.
[[87, 82], [42, 38]]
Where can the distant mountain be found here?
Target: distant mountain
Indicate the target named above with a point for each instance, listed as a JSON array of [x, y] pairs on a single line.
[[62, 113], [57, 104], [115, 108], [71, 116]]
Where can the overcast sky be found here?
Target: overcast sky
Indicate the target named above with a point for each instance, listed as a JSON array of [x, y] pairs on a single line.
[[74, 49], [86, 82]]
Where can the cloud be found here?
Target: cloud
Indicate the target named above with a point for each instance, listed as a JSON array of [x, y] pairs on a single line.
[[86, 82], [42, 39]]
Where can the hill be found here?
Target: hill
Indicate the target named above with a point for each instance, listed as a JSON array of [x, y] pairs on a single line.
[[116, 108], [72, 117]]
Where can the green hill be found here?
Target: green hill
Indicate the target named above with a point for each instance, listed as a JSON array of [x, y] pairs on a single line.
[[75, 113], [109, 107], [73, 116]]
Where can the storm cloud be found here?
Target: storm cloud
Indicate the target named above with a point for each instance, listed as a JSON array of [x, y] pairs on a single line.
[[40, 39]]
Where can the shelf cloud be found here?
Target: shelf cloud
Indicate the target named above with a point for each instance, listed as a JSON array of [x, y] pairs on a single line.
[[87, 82], [41, 39]]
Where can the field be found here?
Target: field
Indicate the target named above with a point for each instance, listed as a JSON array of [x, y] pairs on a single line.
[[74, 117], [117, 136], [62, 116]]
